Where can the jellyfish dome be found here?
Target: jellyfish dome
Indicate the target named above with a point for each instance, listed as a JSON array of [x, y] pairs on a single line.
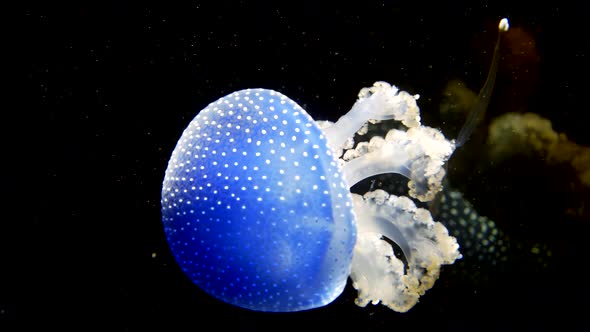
[[255, 207], [257, 210]]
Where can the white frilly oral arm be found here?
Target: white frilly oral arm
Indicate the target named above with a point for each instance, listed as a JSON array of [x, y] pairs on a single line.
[[382, 101]]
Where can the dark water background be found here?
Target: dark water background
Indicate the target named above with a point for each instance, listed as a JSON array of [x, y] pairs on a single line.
[[105, 89]]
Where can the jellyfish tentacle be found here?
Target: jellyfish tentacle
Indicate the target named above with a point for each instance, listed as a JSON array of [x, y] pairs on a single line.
[[382, 101], [483, 99], [377, 274], [386, 159], [418, 154]]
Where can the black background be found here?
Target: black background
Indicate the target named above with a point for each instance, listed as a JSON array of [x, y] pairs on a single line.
[[105, 89]]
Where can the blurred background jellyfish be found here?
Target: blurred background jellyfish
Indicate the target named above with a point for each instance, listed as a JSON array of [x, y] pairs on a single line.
[[517, 175]]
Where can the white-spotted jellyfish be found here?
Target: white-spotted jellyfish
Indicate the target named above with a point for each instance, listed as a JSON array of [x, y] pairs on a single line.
[[258, 212]]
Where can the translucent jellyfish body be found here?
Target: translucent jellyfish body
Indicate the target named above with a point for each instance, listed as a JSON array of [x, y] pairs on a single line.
[[257, 210]]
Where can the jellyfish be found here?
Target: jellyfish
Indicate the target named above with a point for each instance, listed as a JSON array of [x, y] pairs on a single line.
[[480, 237], [258, 213]]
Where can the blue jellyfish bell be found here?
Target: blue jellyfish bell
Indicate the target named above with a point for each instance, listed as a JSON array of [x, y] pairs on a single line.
[[255, 206]]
